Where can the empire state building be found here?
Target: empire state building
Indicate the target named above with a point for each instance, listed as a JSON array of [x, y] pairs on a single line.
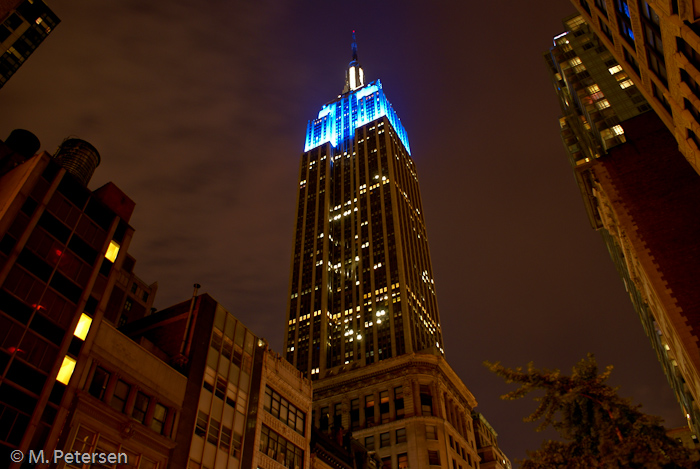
[[361, 287], [363, 318]]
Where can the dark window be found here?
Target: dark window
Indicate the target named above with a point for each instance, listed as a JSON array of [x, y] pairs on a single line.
[[689, 53], [83, 250], [73, 191], [386, 462], [66, 288], [654, 45], [225, 440], [140, 407], [220, 387], [402, 460], [600, 4], [201, 428], [585, 6], [369, 410], [369, 443], [384, 406], [384, 440], [159, 415], [121, 393], [426, 400], [658, 94], [398, 402], [13, 22], [401, 435], [354, 414], [99, 383], [99, 214], [606, 30], [693, 137], [214, 429], [631, 60], [434, 458], [430, 432]]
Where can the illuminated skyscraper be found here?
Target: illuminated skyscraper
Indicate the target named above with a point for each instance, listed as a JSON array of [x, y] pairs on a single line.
[[363, 318], [361, 286]]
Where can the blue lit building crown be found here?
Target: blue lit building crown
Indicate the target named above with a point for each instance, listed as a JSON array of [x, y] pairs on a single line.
[[337, 121]]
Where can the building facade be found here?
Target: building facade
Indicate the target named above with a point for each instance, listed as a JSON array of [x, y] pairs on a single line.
[[640, 193], [411, 411], [63, 251], [361, 287], [487, 446], [128, 402], [244, 405], [657, 43], [24, 25], [363, 319]]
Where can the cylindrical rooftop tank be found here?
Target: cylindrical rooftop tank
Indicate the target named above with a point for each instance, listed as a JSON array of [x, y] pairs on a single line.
[[23, 142], [79, 158]]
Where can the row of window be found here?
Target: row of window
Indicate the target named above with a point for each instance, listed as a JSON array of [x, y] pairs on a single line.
[[280, 449], [385, 439], [219, 435], [401, 461], [460, 450], [285, 412], [371, 417], [129, 399]]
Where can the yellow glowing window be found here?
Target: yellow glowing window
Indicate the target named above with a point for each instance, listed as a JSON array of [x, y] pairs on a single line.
[[626, 84], [66, 370], [112, 251], [81, 330]]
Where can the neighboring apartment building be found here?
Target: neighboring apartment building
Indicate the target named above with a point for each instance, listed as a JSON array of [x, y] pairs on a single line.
[[62, 256], [657, 42], [24, 25], [244, 406], [640, 193]]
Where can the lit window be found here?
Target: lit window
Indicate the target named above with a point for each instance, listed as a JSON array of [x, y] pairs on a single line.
[[81, 330], [615, 69], [66, 370], [626, 84], [602, 104], [112, 251]]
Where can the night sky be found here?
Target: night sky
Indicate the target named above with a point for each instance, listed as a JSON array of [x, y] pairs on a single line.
[[199, 111]]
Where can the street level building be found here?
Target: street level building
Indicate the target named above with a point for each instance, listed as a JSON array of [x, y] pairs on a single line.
[[640, 193]]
